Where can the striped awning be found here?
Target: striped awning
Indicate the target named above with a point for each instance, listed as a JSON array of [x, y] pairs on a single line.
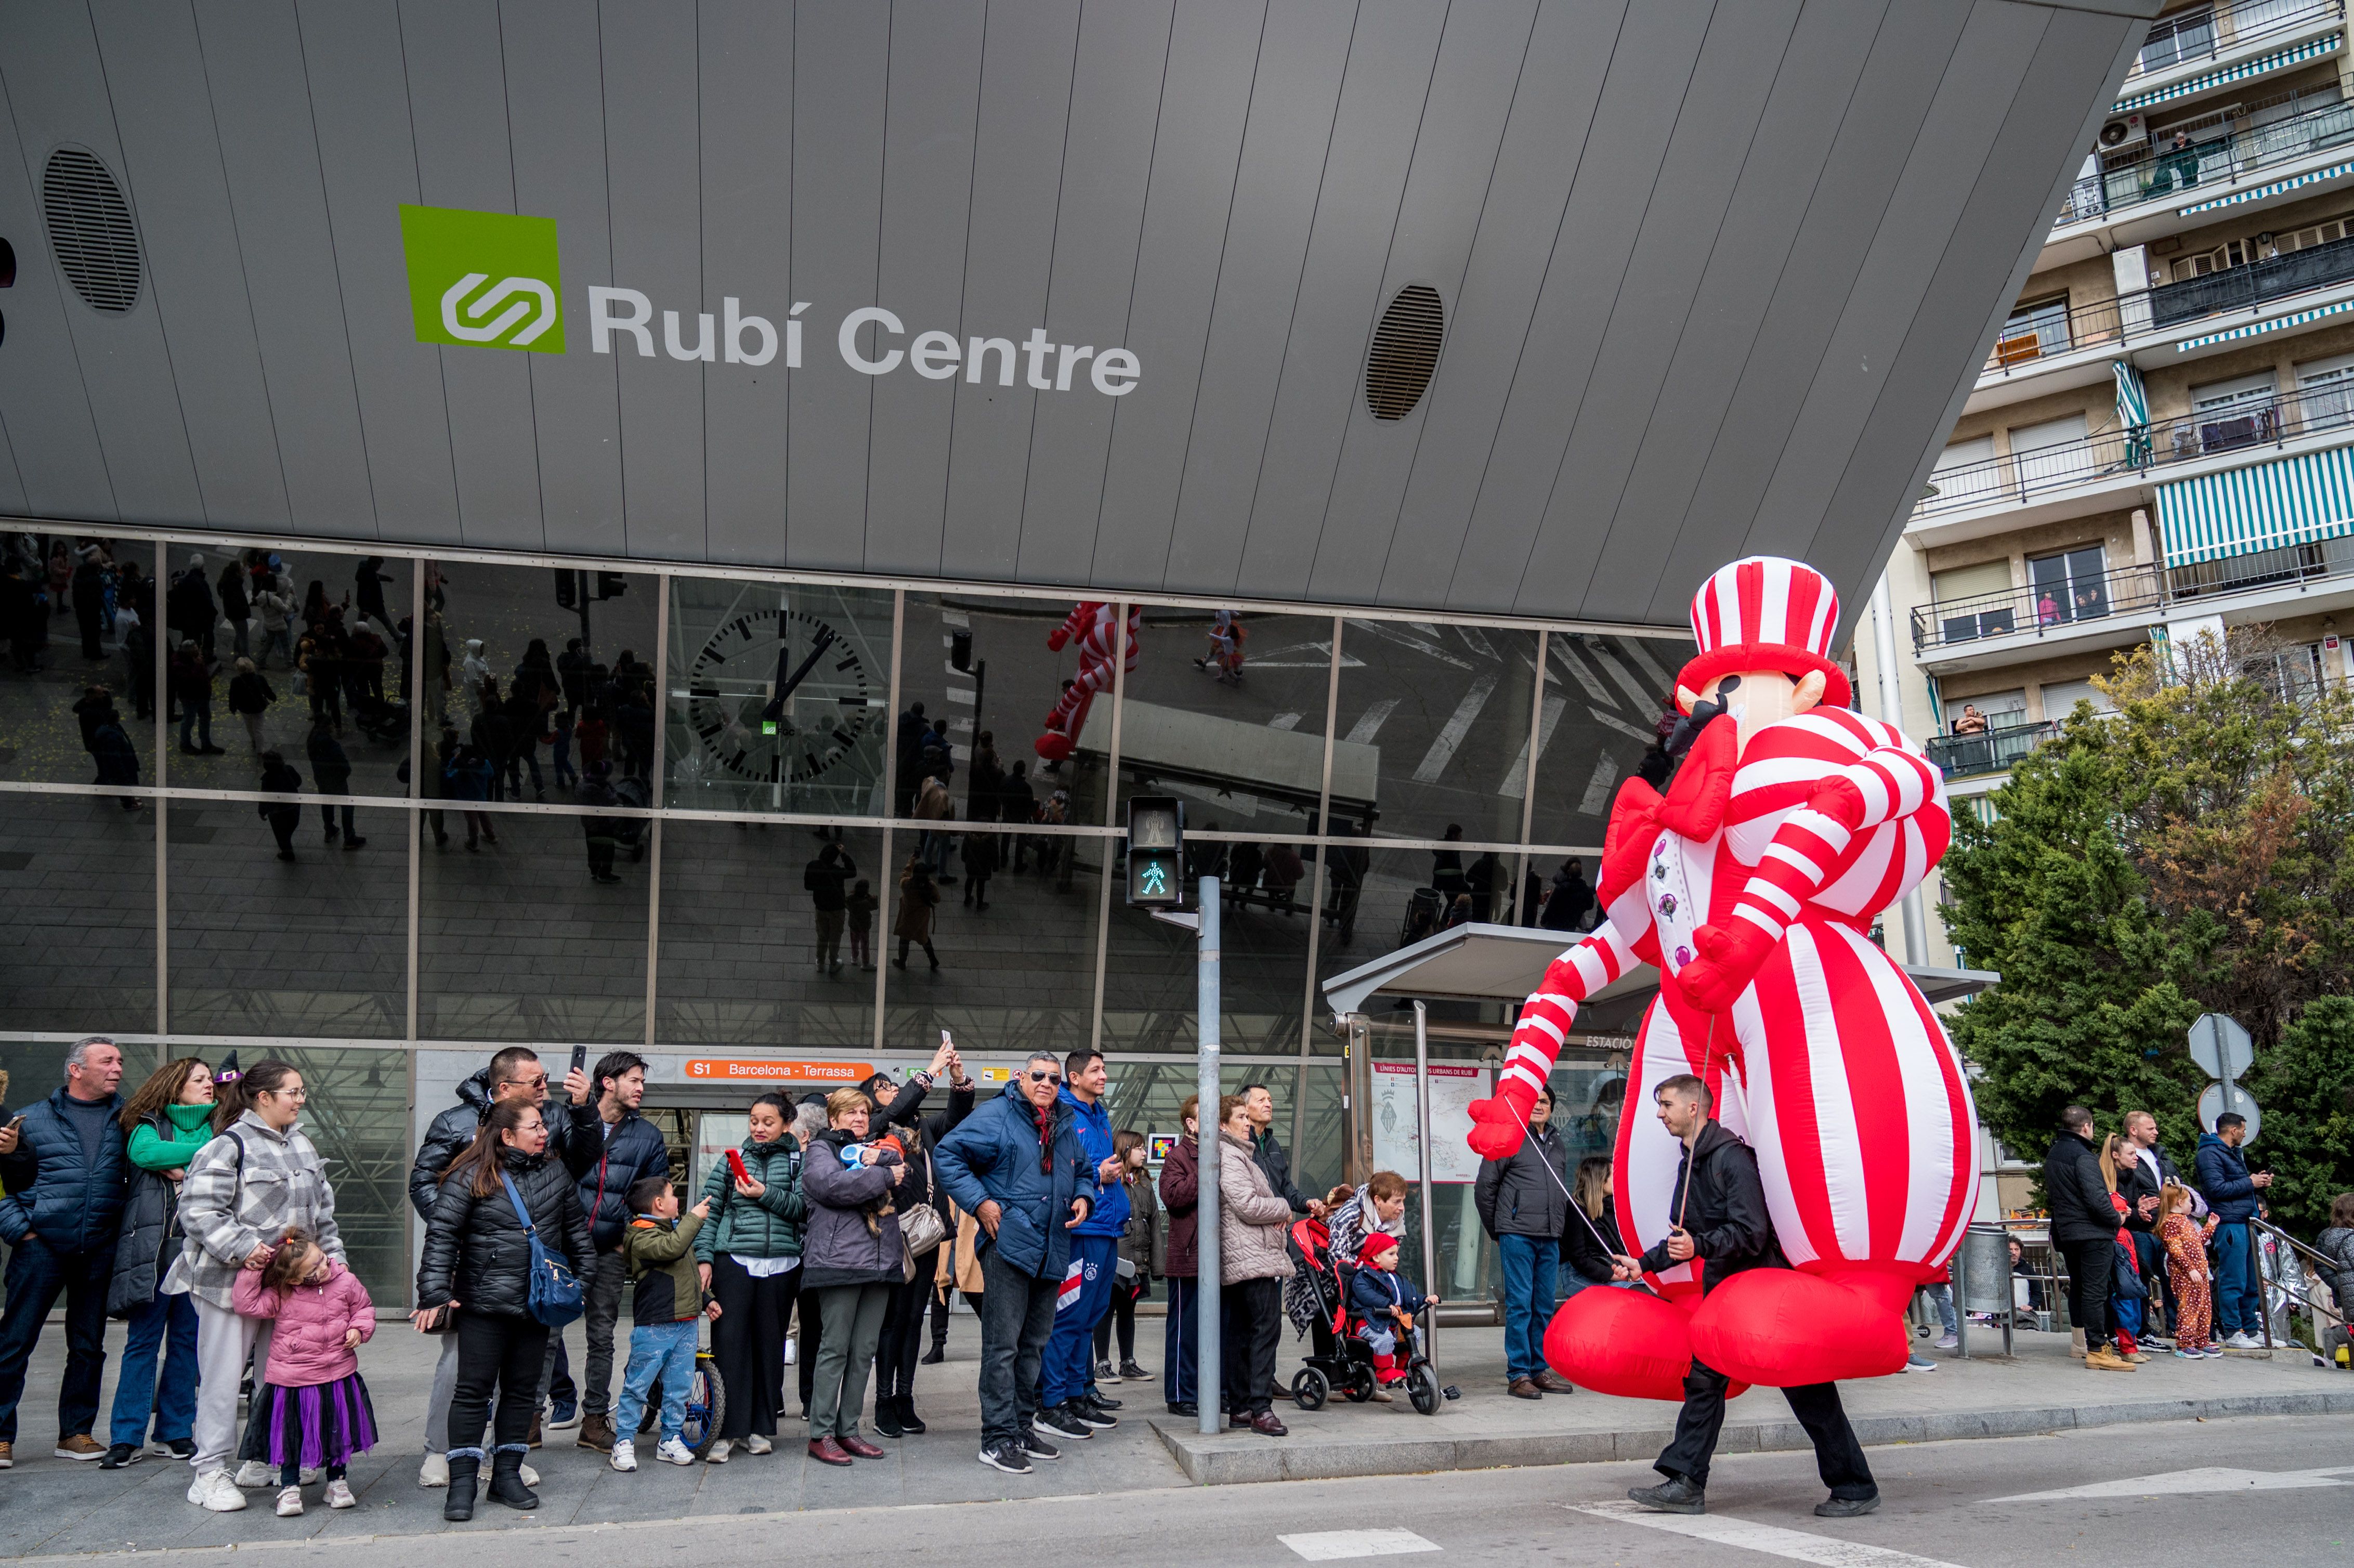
[[2133, 402], [2295, 500], [2311, 49], [2258, 329], [2258, 193]]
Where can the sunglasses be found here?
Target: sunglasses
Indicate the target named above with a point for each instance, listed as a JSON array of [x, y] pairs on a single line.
[[1045, 1077]]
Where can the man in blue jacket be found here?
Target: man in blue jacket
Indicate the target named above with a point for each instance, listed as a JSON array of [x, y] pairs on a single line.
[[63, 1166], [1068, 1404], [609, 1149], [1016, 1166], [2230, 1191]]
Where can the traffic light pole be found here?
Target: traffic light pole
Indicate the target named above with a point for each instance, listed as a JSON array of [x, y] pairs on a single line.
[[1208, 1378]]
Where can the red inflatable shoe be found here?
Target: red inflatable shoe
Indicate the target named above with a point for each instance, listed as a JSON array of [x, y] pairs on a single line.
[[1627, 1342], [1782, 1328]]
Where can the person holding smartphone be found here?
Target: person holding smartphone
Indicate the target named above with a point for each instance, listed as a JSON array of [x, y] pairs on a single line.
[[748, 1255]]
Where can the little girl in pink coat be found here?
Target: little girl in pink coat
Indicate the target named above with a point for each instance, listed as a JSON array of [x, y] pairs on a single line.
[[314, 1407]]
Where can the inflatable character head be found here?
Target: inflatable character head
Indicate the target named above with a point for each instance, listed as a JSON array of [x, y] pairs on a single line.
[[1764, 627]]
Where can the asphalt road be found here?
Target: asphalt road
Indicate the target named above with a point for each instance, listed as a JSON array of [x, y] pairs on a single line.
[[2245, 1492]]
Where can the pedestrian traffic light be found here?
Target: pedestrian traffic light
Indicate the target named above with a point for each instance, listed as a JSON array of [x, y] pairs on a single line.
[[1156, 852], [611, 585], [568, 588]]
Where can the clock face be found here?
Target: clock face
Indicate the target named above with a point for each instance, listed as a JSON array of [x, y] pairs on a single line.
[[781, 696]]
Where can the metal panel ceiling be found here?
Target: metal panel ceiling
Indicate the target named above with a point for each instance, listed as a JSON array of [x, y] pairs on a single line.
[[1715, 278]]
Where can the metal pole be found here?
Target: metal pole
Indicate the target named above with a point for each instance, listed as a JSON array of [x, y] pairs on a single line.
[[1422, 1142], [1208, 1371], [1891, 712]]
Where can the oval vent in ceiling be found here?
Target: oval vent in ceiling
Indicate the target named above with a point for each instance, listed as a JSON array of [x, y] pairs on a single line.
[[90, 231], [1405, 353]]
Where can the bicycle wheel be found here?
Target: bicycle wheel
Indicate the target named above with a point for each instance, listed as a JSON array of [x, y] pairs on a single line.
[[1310, 1389], [1422, 1388], [706, 1405]]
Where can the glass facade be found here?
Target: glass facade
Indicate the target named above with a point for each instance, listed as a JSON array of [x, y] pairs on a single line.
[[682, 810]]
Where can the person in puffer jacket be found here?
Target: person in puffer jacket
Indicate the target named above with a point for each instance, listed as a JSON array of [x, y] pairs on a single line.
[[852, 1254], [313, 1405], [610, 1148], [476, 1267], [167, 1121], [1253, 1263], [749, 1258]]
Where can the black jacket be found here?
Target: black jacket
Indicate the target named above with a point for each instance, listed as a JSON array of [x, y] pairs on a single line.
[[2073, 1190], [456, 1128], [476, 1252], [2133, 1186], [1579, 1249], [907, 1111], [1526, 1195], [150, 1236], [607, 1166], [1731, 1231], [1276, 1165]]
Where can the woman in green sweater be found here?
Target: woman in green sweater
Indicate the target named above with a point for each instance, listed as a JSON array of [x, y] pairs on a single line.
[[750, 1253], [168, 1121]]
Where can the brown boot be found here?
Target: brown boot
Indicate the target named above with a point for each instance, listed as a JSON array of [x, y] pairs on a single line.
[[597, 1432]]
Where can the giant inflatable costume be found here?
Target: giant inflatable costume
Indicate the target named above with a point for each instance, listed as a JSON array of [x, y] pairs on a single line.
[[1752, 885], [1095, 628]]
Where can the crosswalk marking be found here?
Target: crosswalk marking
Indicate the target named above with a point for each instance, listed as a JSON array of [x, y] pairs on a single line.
[[1597, 788], [1419, 644], [1285, 721], [2206, 1479], [1476, 641], [1642, 655], [1442, 749], [1369, 723], [1333, 1545], [1645, 701], [1826, 1550], [1516, 777], [1576, 667], [1622, 727]]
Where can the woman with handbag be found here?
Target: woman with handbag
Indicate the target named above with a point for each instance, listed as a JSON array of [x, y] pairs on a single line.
[[506, 1214], [749, 1256], [924, 1225], [852, 1256]]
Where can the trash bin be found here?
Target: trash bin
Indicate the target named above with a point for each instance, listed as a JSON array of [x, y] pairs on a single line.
[[1982, 1271]]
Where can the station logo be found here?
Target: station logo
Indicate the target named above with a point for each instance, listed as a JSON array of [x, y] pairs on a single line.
[[484, 279]]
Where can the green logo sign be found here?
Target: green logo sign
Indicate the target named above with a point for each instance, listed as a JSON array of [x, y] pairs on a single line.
[[484, 279]]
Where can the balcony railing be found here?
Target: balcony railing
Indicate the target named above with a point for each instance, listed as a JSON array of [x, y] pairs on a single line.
[[2046, 609], [2298, 562], [2170, 173], [2188, 37], [1991, 750], [2020, 477]]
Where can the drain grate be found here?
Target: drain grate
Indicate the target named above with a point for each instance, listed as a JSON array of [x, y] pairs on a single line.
[[1405, 353], [91, 232]]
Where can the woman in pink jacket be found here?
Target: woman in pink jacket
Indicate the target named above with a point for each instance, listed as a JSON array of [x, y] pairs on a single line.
[[314, 1407]]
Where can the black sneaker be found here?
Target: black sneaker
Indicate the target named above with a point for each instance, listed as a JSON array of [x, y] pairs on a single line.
[[1037, 1447], [1675, 1494], [1847, 1508], [1099, 1401], [1184, 1407], [120, 1455], [1105, 1372], [1131, 1373], [1007, 1456], [1062, 1421], [179, 1447], [1089, 1412]]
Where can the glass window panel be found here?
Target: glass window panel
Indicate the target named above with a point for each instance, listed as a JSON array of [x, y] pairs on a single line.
[[358, 1115], [1398, 900], [1604, 697], [740, 937], [317, 946], [779, 696], [1017, 975], [40, 730], [77, 916], [1152, 967], [338, 615], [1432, 728], [516, 940], [1226, 711], [505, 625]]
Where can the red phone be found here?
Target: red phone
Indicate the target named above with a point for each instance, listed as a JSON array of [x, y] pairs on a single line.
[[736, 1163]]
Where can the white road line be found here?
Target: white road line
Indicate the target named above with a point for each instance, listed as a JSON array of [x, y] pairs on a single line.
[[1476, 641], [1333, 1545], [1597, 799], [1389, 633], [1516, 778], [2207, 1479], [1645, 701], [1424, 626], [1442, 749], [1826, 1551], [1622, 727], [1642, 655], [960, 694], [1576, 666], [954, 617], [1285, 721], [1369, 723]]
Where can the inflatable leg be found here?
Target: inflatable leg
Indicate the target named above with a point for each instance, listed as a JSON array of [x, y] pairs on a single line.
[[1627, 1342], [1782, 1328]]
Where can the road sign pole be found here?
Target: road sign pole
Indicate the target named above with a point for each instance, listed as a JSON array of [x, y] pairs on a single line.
[[1208, 1371]]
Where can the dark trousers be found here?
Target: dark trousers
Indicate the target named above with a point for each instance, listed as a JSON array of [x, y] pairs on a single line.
[[36, 1277], [747, 1341], [1838, 1458], [87, 614], [1178, 1384], [1017, 1315], [2090, 1264], [807, 1337], [1122, 1317], [509, 1352], [939, 1318], [903, 1334], [605, 1286], [327, 820], [283, 821], [1254, 1332]]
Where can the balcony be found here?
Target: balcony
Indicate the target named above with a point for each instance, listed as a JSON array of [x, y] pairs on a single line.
[[2065, 610], [2301, 568], [2209, 167], [2237, 287], [1991, 750], [2226, 32]]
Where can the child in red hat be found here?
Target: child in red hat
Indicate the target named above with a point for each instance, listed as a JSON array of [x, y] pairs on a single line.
[[1389, 1304]]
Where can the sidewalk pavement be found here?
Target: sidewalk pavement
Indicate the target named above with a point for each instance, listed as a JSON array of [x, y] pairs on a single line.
[[50, 1506]]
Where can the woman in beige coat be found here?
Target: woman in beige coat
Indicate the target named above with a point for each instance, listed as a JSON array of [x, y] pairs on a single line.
[[1253, 1264]]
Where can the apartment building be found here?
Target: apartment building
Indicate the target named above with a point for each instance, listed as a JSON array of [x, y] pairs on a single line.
[[2161, 440]]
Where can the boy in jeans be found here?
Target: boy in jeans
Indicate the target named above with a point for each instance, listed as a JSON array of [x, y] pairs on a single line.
[[666, 1309]]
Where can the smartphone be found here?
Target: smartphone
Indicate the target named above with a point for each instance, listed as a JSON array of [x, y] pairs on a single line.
[[945, 1040], [580, 1058], [735, 1164]]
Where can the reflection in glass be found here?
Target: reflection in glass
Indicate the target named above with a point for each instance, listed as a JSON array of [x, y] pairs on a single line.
[[77, 916], [358, 1115], [519, 941], [1151, 967], [1226, 711], [317, 946], [1018, 974], [1433, 728], [779, 697], [767, 936], [1603, 702], [96, 635]]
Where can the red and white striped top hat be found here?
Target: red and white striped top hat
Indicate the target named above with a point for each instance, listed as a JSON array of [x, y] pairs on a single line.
[[1766, 613]]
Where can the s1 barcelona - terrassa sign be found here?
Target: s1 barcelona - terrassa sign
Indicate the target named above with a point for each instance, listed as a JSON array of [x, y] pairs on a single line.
[[492, 280]]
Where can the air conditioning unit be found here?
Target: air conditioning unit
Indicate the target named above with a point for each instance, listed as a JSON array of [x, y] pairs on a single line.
[[2117, 133]]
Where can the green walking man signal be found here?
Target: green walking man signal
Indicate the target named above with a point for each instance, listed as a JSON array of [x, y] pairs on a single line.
[[1156, 852]]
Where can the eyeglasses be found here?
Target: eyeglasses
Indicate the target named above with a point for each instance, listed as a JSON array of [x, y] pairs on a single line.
[[539, 1082], [1045, 1077], [289, 1094]]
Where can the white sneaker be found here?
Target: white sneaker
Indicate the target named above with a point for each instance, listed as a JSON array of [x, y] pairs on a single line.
[[435, 1471], [339, 1494], [2244, 1340], [311, 1475], [756, 1444], [717, 1453], [625, 1456], [218, 1491], [253, 1475], [1948, 1342], [675, 1452], [290, 1502], [530, 1477]]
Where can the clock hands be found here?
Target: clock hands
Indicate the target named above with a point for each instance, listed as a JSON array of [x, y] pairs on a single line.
[[775, 711]]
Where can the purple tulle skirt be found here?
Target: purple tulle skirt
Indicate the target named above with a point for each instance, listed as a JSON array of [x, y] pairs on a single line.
[[325, 1424]]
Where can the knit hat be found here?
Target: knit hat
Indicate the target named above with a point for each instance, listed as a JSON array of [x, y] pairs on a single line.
[[1373, 1247], [1766, 613]]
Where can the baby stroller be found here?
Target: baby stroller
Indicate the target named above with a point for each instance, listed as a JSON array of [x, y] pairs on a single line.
[[1337, 1358]]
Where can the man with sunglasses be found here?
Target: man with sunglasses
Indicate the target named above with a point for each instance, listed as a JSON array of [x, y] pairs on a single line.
[[1017, 1166]]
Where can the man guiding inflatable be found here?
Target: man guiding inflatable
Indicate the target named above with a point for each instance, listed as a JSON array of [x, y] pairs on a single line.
[[1721, 1221]]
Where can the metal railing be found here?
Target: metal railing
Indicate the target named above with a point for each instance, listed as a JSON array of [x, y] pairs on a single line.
[[2236, 288], [2018, 478], [2025, 341], [2210, 32], [1991, 750], [2168, 172], [2300, 563], [2046, 609]]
